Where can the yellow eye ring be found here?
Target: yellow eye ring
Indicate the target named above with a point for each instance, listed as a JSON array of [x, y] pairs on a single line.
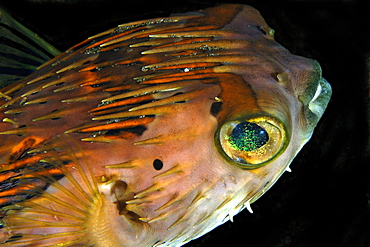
[[251, 142]]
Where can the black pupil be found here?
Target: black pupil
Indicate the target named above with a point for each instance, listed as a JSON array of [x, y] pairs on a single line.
[[158, 164], [248, 136]]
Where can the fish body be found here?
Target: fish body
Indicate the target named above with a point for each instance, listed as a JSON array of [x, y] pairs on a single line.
[[154, 132]]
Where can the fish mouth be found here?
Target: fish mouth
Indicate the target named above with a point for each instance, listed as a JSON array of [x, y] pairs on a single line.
[[315, 100], [321, 98]]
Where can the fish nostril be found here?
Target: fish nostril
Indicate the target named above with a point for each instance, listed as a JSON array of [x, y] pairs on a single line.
[[157, 164]]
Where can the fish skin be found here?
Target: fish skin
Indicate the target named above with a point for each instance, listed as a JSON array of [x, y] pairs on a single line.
[[84, 93]]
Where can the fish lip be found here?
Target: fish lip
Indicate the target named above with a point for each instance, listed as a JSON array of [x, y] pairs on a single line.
[[321, 98], [314, 109]]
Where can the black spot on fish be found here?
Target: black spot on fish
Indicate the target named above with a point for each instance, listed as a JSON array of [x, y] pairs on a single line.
[[157, 164]]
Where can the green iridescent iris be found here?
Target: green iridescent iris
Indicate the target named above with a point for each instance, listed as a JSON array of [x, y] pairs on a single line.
[[248, 136]]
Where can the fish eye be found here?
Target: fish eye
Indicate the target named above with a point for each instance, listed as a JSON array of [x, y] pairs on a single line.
[[250, 143]]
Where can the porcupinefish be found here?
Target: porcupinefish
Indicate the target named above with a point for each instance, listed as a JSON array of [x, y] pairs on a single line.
[[149, 134]]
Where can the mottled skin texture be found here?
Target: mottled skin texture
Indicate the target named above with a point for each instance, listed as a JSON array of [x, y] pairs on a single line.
[[159, 89]]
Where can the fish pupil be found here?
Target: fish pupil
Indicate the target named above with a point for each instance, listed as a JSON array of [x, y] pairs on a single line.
[[248, 136], [157, 164]]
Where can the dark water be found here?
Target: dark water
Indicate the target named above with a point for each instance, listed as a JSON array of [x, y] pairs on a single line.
[[323, 201]]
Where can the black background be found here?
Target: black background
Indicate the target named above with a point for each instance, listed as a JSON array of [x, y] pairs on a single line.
[[323, 202]]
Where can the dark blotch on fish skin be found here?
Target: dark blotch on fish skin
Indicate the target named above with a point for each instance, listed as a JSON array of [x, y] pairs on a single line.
[[216, 108], [157, 164], [138, 130]]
